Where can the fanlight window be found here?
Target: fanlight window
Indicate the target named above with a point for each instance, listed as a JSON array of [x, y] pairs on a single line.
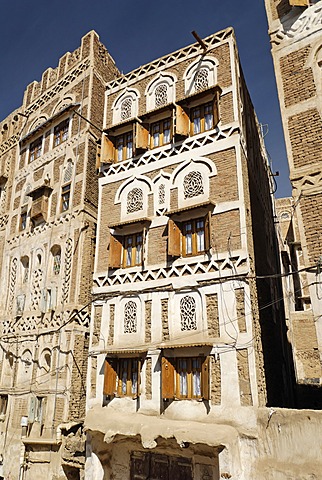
[[162, 194], [193, 185], [68, 172], [201, 79], [135, 200], [126, 109], [130, 317], [188, 313], [161, 95]]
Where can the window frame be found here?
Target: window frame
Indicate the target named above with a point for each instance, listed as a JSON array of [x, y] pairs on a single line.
[[65, 190], [23, 220], [124, 140], [134, 250], [3, 404], [170, 369], [61, 133], [113, 383], [35, 149], [160, 124], [177, 236], [202, 117]]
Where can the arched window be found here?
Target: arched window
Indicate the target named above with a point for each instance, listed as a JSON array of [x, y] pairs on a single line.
[[56, 254], [25, 367], [188, 313], [161, 95], [130, 317], [201, 80], [193, 185], [25, 269], [126, 108], [134, 200]]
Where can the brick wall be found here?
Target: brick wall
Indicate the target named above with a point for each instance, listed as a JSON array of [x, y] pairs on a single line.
[[305, 142]]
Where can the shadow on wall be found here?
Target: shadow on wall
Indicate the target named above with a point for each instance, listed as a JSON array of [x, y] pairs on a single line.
[[309, 396]]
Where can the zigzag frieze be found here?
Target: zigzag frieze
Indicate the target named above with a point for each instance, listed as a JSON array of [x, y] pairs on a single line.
[[216, 268], [43, 228], [309, 21], [309, 181], [12, 141], [170, 60], [67, 80], [170, 151], [32, 324]]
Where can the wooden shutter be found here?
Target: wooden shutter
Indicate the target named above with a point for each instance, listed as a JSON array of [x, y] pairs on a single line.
[[180, 468], [216, 108], [107, 150], [109, 377], [115, 255], [182, 122], [140, 466], [208, 231], [299, 3], [159, 468], [174, 239], [205, 379], [167, 378], [141, 137]]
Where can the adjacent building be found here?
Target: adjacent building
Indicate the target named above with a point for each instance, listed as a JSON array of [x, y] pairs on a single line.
[[188, 339], [48, 195], [295, 28]]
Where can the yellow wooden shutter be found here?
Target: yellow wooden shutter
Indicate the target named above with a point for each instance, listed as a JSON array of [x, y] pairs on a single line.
[[216, 108], [182, 122], [115, 255], [174, 239], [208, 231], [107, 150], [109, 377], [299, 3], [167, 378], [205, 379], [141, 137]]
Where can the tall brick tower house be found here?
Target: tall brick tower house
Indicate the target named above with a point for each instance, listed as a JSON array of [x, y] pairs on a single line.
[[187, 335], [48, 195], [295, 29]]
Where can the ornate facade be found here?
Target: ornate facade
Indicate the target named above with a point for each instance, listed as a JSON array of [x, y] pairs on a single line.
[[48, 195], [295, 29], [187, 337]]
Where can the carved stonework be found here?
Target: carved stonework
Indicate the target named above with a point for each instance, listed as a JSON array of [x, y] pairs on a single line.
[[130, 317], [309, 21], [36, 288], [193, 185], [161, 95], [188, 313], [12, 284], [67, 269]]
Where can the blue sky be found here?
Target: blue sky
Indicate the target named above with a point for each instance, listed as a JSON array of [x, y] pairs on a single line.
[[35, 34]]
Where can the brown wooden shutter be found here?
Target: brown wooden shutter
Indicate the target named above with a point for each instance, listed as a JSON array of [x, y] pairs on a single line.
[[182, 122], [299, 3], [208, 231], [174, 239], [205, 379], [167, 378], [216, 108], [107, 150], [140, 466], [109, 377], [115, 256], [141, 137]]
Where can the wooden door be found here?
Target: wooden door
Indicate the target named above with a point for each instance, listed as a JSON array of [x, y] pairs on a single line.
[[152, 466]]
